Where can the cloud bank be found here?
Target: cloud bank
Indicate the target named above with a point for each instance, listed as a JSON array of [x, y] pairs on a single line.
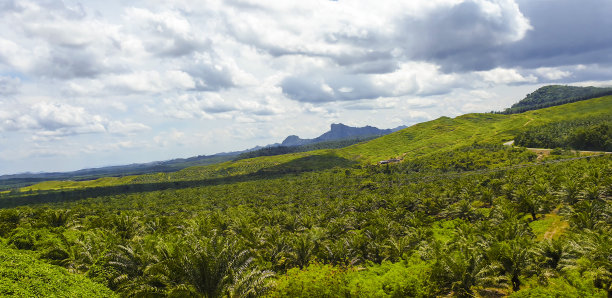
[[170, 79]]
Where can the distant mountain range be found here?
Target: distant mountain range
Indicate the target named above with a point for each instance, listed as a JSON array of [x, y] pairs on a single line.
[[25, 179], [340, 135], [339, 132]]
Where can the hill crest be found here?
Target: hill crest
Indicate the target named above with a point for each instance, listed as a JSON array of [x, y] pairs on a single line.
[[554, 95], [339, 131]]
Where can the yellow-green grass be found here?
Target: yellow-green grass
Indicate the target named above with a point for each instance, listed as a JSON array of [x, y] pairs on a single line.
[[551, 226], [60, 185], [444, 230]]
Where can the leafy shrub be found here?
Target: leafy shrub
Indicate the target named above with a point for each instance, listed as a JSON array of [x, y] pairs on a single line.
[[22, 239], [315, 280], [22, 275], [407, 278], [572, 285], [9, 220]]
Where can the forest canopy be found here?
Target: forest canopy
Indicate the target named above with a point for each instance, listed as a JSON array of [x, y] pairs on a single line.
[[588, 134]]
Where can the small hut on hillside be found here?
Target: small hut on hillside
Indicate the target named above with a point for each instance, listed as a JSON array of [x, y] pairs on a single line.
[[388, 161]]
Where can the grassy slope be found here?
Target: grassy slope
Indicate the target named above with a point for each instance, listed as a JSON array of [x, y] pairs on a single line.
[[445, 134], [23, 275], [295, 162], [440, 135], [106, 181]]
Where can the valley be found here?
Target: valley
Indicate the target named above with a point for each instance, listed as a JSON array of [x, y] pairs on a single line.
[[462, 214]]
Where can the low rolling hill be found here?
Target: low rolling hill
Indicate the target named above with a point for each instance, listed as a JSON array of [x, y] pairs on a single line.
[[418, 141]]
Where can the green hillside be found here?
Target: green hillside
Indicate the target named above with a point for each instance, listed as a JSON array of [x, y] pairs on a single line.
[[445, 134], [461, 215], [418, 141]]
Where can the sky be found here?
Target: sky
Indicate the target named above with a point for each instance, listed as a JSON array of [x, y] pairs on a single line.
[[97, 83]]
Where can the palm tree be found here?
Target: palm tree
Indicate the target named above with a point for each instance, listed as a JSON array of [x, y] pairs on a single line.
[[592, 192], [9, 220], [210, 267], [57, 218], [571, 190], [589, 214], [507, 226], [465, 269], [396, 247], [302, 249], [132, 264], [514, 257], [530, 201], [274, 247], [253, 283], [125, 226], [503, 211], [487, 195], [595, 247], [462, 209], [128, 260], [77, 256], [553, 255], [339, 252]]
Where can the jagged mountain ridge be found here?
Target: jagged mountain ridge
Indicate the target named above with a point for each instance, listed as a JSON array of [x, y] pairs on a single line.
[[339, 131]]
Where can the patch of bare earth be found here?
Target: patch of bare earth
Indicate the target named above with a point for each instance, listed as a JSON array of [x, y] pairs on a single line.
[[557, 227]]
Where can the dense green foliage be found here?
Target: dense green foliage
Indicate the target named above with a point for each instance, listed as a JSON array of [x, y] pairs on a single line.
[[461, 215], [477, 156], [406, 278], [23, 275], [554, 95], [414, 233], [583, 134]]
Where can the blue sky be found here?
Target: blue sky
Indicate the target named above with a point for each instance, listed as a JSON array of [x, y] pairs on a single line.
[[97, 83]]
